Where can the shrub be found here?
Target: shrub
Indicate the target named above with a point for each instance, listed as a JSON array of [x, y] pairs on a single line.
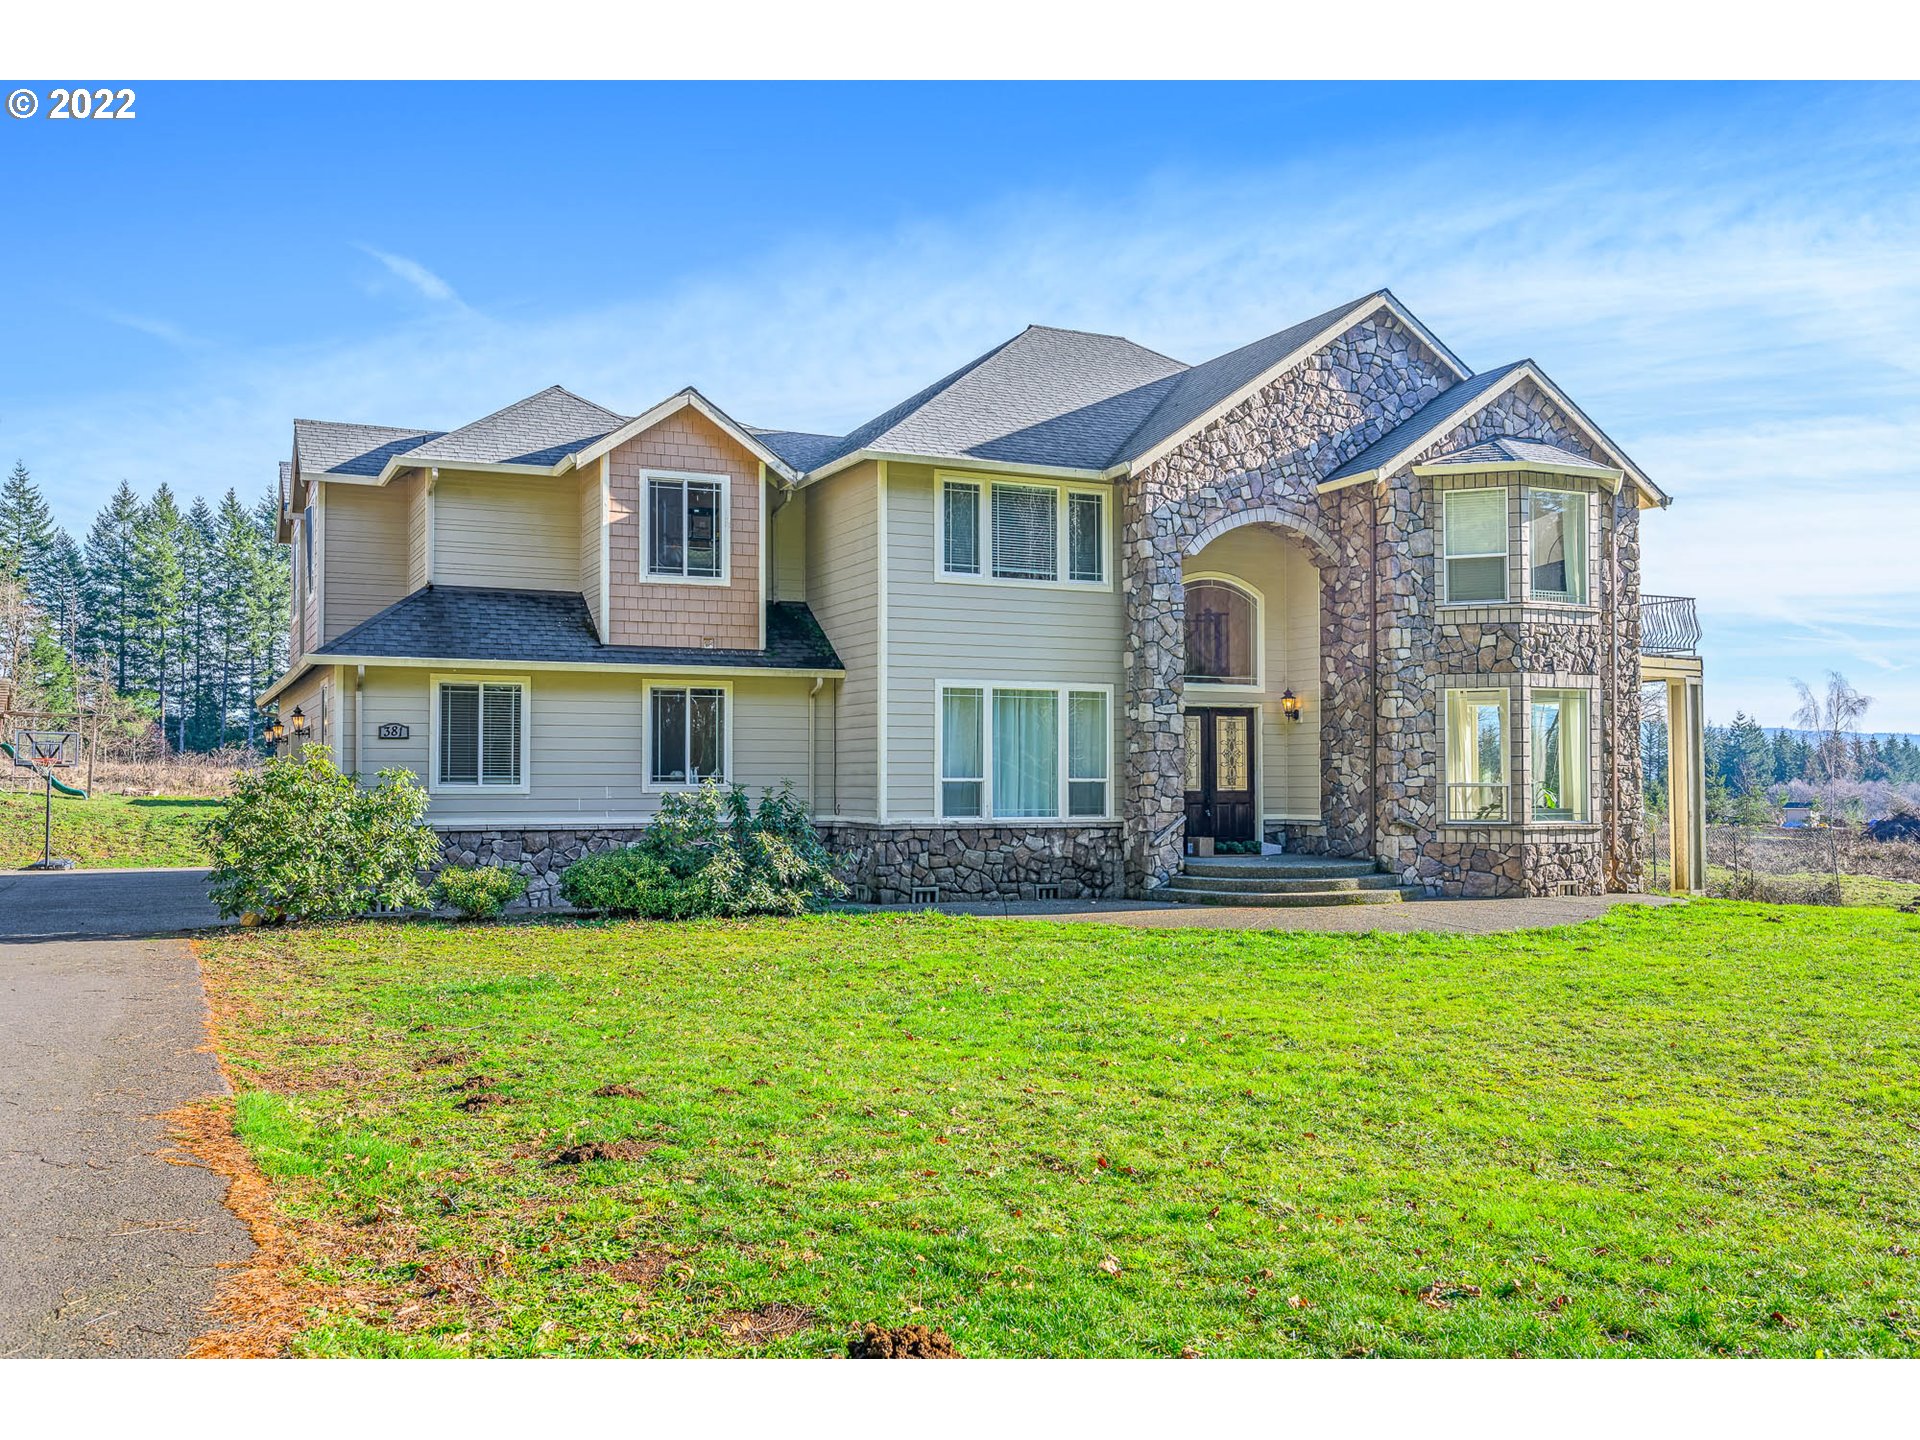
[[299, 840], [709, 852], [479, 892]]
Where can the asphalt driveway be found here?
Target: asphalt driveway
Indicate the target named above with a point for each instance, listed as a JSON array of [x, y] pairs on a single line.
[[106, 1248]]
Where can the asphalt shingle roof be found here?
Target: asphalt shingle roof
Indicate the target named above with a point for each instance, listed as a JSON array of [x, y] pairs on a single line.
[[539, 430], [330, 447], [799, 448], [1425, 424], [461, 622], [1511, 449]]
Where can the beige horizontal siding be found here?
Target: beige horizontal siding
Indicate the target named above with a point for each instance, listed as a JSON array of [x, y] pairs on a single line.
[[365, 567], [513, 532], [585, 741], [788, 577], [940, 630], [842, 567], [1280, 572], [419, 557], [592, 519]]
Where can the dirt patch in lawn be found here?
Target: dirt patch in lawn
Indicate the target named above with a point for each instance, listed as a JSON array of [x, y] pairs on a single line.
[[644, 1268], [629, 1149], [766, 1322], [901, 1342], [619, 1092]]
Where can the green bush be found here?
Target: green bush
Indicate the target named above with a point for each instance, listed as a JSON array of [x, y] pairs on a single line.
[[478, 892], [710, 852], [301, 841]]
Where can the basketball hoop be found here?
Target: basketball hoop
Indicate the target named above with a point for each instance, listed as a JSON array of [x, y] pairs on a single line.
[[43, 752]]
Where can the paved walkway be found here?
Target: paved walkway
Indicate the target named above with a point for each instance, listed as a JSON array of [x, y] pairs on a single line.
[[105, 1247], [1460, 917]]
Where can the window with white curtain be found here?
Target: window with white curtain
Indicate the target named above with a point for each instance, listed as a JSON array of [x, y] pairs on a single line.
[[1558, 755], [1475, 524], [1476, 773], [480, 739], [686, 734], [1557, 545], [686, 527], [1024, 752], [1025, 532]]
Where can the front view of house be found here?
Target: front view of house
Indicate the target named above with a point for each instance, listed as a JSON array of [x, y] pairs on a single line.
[[1060, 621]]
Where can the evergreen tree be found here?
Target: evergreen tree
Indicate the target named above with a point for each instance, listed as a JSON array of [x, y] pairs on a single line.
[[157, 598], [26, 532], [107, 603], [65, 589], [1745, 757]]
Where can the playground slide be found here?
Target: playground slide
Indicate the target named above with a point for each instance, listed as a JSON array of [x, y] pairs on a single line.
[[59, 786]]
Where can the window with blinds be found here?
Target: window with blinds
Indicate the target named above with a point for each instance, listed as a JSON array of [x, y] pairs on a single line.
[[481, 734], [1026, 532], [686, 528], [1476, 546]]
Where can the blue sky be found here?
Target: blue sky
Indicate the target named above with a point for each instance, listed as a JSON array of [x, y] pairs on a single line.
[[1726, 278]]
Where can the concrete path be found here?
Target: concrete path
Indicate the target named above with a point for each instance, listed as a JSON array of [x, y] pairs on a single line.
[[1460, 917], [105, 1248]]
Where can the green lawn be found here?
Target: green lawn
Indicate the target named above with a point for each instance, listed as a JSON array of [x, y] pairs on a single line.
[[1854, 889], [1681, 1131], [104, 830]]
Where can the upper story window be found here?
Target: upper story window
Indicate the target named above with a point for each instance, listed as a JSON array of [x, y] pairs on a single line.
[[481, 734], [1027, 533], [1222, 634], [686, 527], [1557, 545], [1475, 535]]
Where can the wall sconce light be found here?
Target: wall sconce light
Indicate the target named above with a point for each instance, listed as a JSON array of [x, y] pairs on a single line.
[[301, 725], [274, 732], [1289, 705]]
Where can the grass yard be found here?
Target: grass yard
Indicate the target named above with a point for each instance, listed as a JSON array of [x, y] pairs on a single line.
[[1854, 889], [104, 830], [1682, 1131]]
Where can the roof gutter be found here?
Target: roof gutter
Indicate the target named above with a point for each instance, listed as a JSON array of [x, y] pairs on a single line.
[[585, 667]]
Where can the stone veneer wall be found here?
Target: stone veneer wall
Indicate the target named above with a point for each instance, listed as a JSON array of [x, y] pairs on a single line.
[[1262, 463], [540, 855], [1386, 646], [884, 863]]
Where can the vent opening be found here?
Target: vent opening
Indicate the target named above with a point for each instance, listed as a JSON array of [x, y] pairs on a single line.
[[925, 895], [1046, 892]]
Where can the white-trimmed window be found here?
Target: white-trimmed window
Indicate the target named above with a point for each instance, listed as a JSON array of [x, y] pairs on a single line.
[[479, 734], [1025, 752], [1023, 532], [1476, 767], [688, 740], [1557, 756], [1475, 526], [686, 527], [1557, 545]]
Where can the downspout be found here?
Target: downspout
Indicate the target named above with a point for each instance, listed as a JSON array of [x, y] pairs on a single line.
[[813, 800], [359, 720]]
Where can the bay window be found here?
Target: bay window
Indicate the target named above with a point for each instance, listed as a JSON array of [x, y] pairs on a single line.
[[1559, 755], [686, 519], [1475, 525], [1026, 532], [686, 734], [1024, 752], [1476, 759], [479, 734], [1557, 545]]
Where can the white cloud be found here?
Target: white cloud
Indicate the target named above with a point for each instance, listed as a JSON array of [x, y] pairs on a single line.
[[427, 284]]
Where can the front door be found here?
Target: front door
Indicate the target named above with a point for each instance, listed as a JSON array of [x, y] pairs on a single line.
[[1220, 778]]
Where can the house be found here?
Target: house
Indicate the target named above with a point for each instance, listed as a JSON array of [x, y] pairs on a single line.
[[1046, 627]]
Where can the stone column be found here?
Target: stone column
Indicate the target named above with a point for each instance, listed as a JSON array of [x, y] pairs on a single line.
[[1153, 660]]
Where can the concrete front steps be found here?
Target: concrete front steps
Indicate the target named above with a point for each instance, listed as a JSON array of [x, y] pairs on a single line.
[[1280, 880]]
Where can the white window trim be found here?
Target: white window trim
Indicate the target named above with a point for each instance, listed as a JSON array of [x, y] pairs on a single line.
[[987, 688], [1505, 553], [1211, 689], [1507, 711], [648, 785], [725, 482], [437, 786], [983, 530], [1585, 602]]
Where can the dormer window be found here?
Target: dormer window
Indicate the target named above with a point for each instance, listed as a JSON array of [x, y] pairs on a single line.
[[686, 527]]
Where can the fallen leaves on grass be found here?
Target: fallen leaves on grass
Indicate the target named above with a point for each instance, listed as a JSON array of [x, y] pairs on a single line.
[[766, 1322], [643, 1268], [619, 1092], [1441, 1296], [1110, 1265]]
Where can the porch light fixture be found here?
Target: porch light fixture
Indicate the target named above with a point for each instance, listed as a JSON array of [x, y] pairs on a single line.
[[273, 732], [301, 725], [1289, 705]]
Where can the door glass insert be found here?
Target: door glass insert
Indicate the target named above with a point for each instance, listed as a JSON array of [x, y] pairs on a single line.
[[1193, 752], [1230, 752]]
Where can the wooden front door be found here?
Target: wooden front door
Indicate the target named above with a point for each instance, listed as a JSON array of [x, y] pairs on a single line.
[[1220, 780]]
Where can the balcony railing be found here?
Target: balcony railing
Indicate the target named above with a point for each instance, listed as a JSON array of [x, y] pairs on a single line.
[[1669, 625]]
